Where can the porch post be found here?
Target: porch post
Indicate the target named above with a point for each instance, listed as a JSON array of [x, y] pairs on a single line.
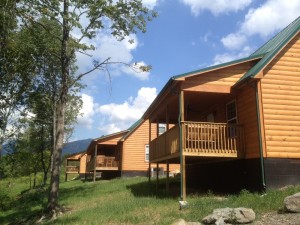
[[167, 118], [66, 176], [181, 139], [167, 177], [95, 163], [157, 168], [183, 179], [149, 169]]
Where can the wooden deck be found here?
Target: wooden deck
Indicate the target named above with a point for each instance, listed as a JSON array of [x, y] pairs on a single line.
[[199, 139], [106, 163]]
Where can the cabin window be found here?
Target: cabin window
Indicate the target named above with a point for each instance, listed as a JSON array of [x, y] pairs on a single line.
[[147, 153], [231, 114], [162, 127]]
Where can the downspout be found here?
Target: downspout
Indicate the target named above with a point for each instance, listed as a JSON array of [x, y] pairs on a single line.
[[260, 139], [180, 149]]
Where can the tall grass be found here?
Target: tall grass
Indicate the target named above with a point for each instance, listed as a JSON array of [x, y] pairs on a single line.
[[130, 201]]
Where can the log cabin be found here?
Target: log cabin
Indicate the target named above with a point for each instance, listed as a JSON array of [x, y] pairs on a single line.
[[76, 164], [235, 125], [124, 153]]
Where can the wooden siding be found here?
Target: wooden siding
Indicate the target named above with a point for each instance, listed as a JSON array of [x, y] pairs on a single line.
[[133, 158], [281, 102], [247, 117], [225, 77], [82, 168]]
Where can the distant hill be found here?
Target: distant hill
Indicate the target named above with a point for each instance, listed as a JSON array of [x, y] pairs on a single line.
[[69, 148], [76, 146]]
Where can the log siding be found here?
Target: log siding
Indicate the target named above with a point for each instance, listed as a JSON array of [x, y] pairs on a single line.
[[281, 103]]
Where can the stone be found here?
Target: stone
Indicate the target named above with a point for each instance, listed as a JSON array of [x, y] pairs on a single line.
[[183, 204], [230, 215], [292, 203], [180, 222]]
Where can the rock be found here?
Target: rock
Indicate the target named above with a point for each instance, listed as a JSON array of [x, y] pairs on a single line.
[[183, 204], [230, 215], [180, 222], [183, 222], [292, 203]]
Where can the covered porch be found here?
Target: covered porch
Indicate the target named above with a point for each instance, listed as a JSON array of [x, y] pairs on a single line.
[[201, 127], [103, 155]]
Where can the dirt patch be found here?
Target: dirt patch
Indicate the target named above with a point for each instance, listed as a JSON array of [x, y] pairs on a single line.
[[274, 218]]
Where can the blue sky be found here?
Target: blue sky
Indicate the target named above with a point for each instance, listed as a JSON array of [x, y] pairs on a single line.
[[188, 35]]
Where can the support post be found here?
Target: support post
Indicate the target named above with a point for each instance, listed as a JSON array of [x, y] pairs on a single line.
[[157, 175], [66, 168], [182, 157], [149, 175], [183, 179], [167, 177], [95, 163]]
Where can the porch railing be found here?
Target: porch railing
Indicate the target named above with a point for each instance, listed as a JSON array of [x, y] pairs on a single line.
[[166, 144], [102, 161], [72, 169], [218, 139], [200, 139]]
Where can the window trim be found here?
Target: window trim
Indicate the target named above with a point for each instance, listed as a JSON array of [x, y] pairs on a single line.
[[147, 152], [236, 113]]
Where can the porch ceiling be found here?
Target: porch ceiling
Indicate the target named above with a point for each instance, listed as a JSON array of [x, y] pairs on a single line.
[[198, 102]]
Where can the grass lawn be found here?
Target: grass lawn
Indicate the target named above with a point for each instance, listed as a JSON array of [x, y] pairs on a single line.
[[125, 201]]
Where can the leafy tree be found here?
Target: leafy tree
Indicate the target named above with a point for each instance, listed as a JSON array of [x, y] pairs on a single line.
[[15, 71], [121, 17]]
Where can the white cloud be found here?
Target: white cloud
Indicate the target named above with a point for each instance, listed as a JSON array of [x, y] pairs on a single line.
[[234, 41], [121, 116], [216, 6], [150, 4], [135, 71], [227, 57], [87, 111], [270, 17], [119, 52]]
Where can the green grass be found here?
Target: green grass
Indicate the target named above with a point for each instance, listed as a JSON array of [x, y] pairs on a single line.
[[127, 201]]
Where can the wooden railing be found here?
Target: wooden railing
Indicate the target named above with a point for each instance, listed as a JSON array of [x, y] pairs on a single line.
[[72, 169], [103, 162], [200, 139], [166, 144], [215, 139]]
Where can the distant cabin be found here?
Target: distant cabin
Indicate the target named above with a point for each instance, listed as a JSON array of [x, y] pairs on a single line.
[[75, 164], [124, 153]]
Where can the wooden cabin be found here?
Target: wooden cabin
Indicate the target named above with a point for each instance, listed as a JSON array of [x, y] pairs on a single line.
[[234, 124], [125, 153], [75, 164]]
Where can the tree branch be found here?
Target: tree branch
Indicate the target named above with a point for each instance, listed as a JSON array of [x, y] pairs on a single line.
[[93, 69]]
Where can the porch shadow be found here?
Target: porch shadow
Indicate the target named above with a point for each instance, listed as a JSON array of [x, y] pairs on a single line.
[[145, 189]]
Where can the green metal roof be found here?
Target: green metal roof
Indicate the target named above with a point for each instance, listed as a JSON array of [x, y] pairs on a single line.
[[271, 48], [249, 58]]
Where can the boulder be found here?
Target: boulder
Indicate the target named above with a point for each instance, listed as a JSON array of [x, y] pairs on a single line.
[[230, 215], [292, 203]]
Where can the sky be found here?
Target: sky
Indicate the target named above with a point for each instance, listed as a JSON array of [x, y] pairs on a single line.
[[187, 35]]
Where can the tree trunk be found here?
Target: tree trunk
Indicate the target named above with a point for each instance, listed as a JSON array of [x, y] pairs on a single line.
[[54, 183], [60, 113]]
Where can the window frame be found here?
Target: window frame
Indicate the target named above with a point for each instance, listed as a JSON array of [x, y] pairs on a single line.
[[147, 152]]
